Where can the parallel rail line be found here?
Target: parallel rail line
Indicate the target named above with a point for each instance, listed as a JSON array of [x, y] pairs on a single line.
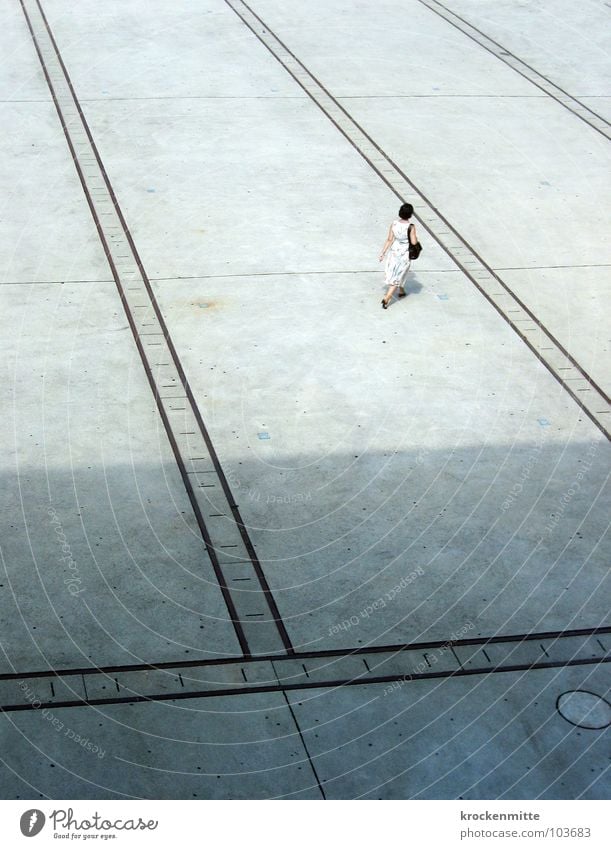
[[395, 665]]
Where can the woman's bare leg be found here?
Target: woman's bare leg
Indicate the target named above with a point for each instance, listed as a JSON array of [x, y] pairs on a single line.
[[388, 296]]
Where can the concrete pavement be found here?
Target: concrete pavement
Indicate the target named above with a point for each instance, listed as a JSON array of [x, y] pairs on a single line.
[[425, 457]]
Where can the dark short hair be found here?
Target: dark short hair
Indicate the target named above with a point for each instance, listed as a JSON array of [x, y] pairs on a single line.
[[406, 211]]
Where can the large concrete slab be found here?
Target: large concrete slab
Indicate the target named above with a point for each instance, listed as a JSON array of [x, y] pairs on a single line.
[[21, 77], [494, 737], [424, 438], [573, 304], [47, 233], [239, 186], [392, 49], [151, 49], [102, 561], [564, 41], [239, 747], [394, 45], [535, 198]]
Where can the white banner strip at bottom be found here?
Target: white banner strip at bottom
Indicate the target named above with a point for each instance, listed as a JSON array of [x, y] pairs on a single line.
[[232, 823]]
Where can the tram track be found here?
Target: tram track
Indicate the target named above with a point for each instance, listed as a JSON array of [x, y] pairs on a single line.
[[392, 664]]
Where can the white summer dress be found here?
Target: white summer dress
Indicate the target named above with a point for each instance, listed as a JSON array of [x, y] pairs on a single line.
[[397, 259]]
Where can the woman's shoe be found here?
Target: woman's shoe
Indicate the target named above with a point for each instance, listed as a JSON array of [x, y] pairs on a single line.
[[403, 294], [384, 304]]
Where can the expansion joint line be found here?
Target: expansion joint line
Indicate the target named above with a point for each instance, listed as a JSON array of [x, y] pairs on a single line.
[[586, 393], [251, 606]]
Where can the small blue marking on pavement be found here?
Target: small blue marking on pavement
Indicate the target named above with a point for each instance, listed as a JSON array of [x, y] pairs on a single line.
[[203, 306], [150, 190], [544, 422], [264, 435], [443, 297]]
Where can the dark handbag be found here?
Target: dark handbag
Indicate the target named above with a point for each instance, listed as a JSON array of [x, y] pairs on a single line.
[[414, 250]]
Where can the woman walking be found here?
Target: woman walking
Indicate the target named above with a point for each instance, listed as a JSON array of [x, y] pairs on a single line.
[[396, 251]]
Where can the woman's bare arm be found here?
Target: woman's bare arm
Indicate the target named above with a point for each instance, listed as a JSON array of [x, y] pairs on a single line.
[[412, 234], [389, 240]]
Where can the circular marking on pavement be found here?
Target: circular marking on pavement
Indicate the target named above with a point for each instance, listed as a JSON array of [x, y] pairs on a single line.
[[584, 709]]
